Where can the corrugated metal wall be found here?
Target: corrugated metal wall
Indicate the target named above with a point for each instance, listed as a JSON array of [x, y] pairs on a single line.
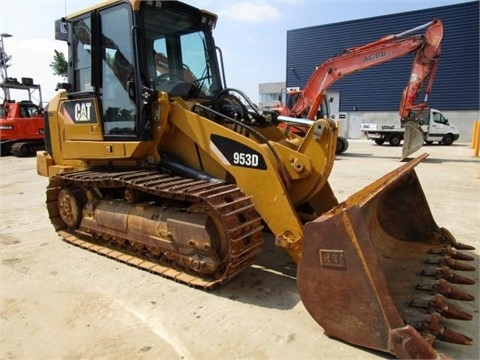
[[456, 85]]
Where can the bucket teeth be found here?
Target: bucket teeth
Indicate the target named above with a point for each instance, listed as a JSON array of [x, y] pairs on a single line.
[[430, 325], [446, 334], [461, 246], [447, 235], [438, 304], [451, 263], [453, 253], [442, 287], [451, 336], [445, 273]]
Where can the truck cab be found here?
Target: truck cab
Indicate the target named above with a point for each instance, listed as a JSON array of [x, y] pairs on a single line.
[[436, 127]]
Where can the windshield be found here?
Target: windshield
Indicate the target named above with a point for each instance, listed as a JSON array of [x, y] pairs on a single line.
[[178, 55], [424, 115]]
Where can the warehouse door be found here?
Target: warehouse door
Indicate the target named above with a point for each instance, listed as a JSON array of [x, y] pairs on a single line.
[[354, 122]]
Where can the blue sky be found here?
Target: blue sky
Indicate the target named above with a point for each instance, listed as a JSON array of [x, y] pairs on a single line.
[[251, 33]]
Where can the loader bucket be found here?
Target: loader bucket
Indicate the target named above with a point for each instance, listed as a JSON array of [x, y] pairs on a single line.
[[412, 139], [376, 271]]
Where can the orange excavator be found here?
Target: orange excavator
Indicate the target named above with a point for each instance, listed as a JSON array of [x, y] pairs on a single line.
[[302, 107], [21, 122]]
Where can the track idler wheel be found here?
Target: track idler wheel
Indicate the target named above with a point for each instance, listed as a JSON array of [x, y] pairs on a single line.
[[70, 204]]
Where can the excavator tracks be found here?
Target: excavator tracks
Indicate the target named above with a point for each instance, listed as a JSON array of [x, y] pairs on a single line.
[[27, 148], [158, 222]]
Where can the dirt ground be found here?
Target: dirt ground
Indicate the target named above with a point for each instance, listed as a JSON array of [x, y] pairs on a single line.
[[58, 301]]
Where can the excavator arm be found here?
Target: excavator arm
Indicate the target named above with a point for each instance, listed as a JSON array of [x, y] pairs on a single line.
[[388, 48], [427, 48], [424, 67]]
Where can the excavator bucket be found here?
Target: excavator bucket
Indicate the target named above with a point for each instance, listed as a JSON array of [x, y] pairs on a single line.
[[376, 271], [412, 139]]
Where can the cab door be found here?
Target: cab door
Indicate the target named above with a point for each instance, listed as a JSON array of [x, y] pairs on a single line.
[[100, 113], [79, 113], [437, 126]]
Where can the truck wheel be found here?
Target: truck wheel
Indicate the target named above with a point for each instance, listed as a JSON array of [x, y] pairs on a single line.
[[447, 139], [342, 145], [395, 140], [379, 141]]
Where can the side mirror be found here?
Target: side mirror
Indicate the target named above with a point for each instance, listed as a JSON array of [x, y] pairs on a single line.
[[64, 86]]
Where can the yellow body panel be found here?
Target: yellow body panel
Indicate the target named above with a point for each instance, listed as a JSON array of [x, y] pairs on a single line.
[[275, 191], [294, 174]]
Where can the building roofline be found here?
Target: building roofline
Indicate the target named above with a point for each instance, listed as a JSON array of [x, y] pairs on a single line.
[[386, 16]]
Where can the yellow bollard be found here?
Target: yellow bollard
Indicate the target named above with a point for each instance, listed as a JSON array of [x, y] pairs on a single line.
[[474, 131], [476, 138]]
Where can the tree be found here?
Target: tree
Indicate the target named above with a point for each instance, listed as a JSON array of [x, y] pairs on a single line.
[[59, 64]]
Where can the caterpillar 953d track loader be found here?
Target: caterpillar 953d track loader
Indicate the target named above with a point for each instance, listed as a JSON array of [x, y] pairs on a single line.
[[153, 161]]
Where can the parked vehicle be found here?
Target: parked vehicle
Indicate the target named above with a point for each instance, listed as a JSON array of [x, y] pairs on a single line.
[[434, 125]]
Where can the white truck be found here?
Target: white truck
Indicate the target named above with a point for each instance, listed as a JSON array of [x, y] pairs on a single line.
[[434, 124]]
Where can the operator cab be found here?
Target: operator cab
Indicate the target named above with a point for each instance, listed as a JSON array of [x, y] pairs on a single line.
[[179, 50], [179, 58], [29, 110], [124, 58]]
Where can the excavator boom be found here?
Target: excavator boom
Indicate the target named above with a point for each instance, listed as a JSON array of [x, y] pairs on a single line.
[[153, 162], [427, 48]]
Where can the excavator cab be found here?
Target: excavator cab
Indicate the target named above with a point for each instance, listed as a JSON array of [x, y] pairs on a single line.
[[154, 162]]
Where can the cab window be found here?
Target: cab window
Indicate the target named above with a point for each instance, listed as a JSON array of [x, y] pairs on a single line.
[[181, 65], [82, 63], [438, 118], [118, 107]]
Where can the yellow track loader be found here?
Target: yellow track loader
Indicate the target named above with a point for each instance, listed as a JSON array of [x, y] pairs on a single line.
[[155, 162]]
